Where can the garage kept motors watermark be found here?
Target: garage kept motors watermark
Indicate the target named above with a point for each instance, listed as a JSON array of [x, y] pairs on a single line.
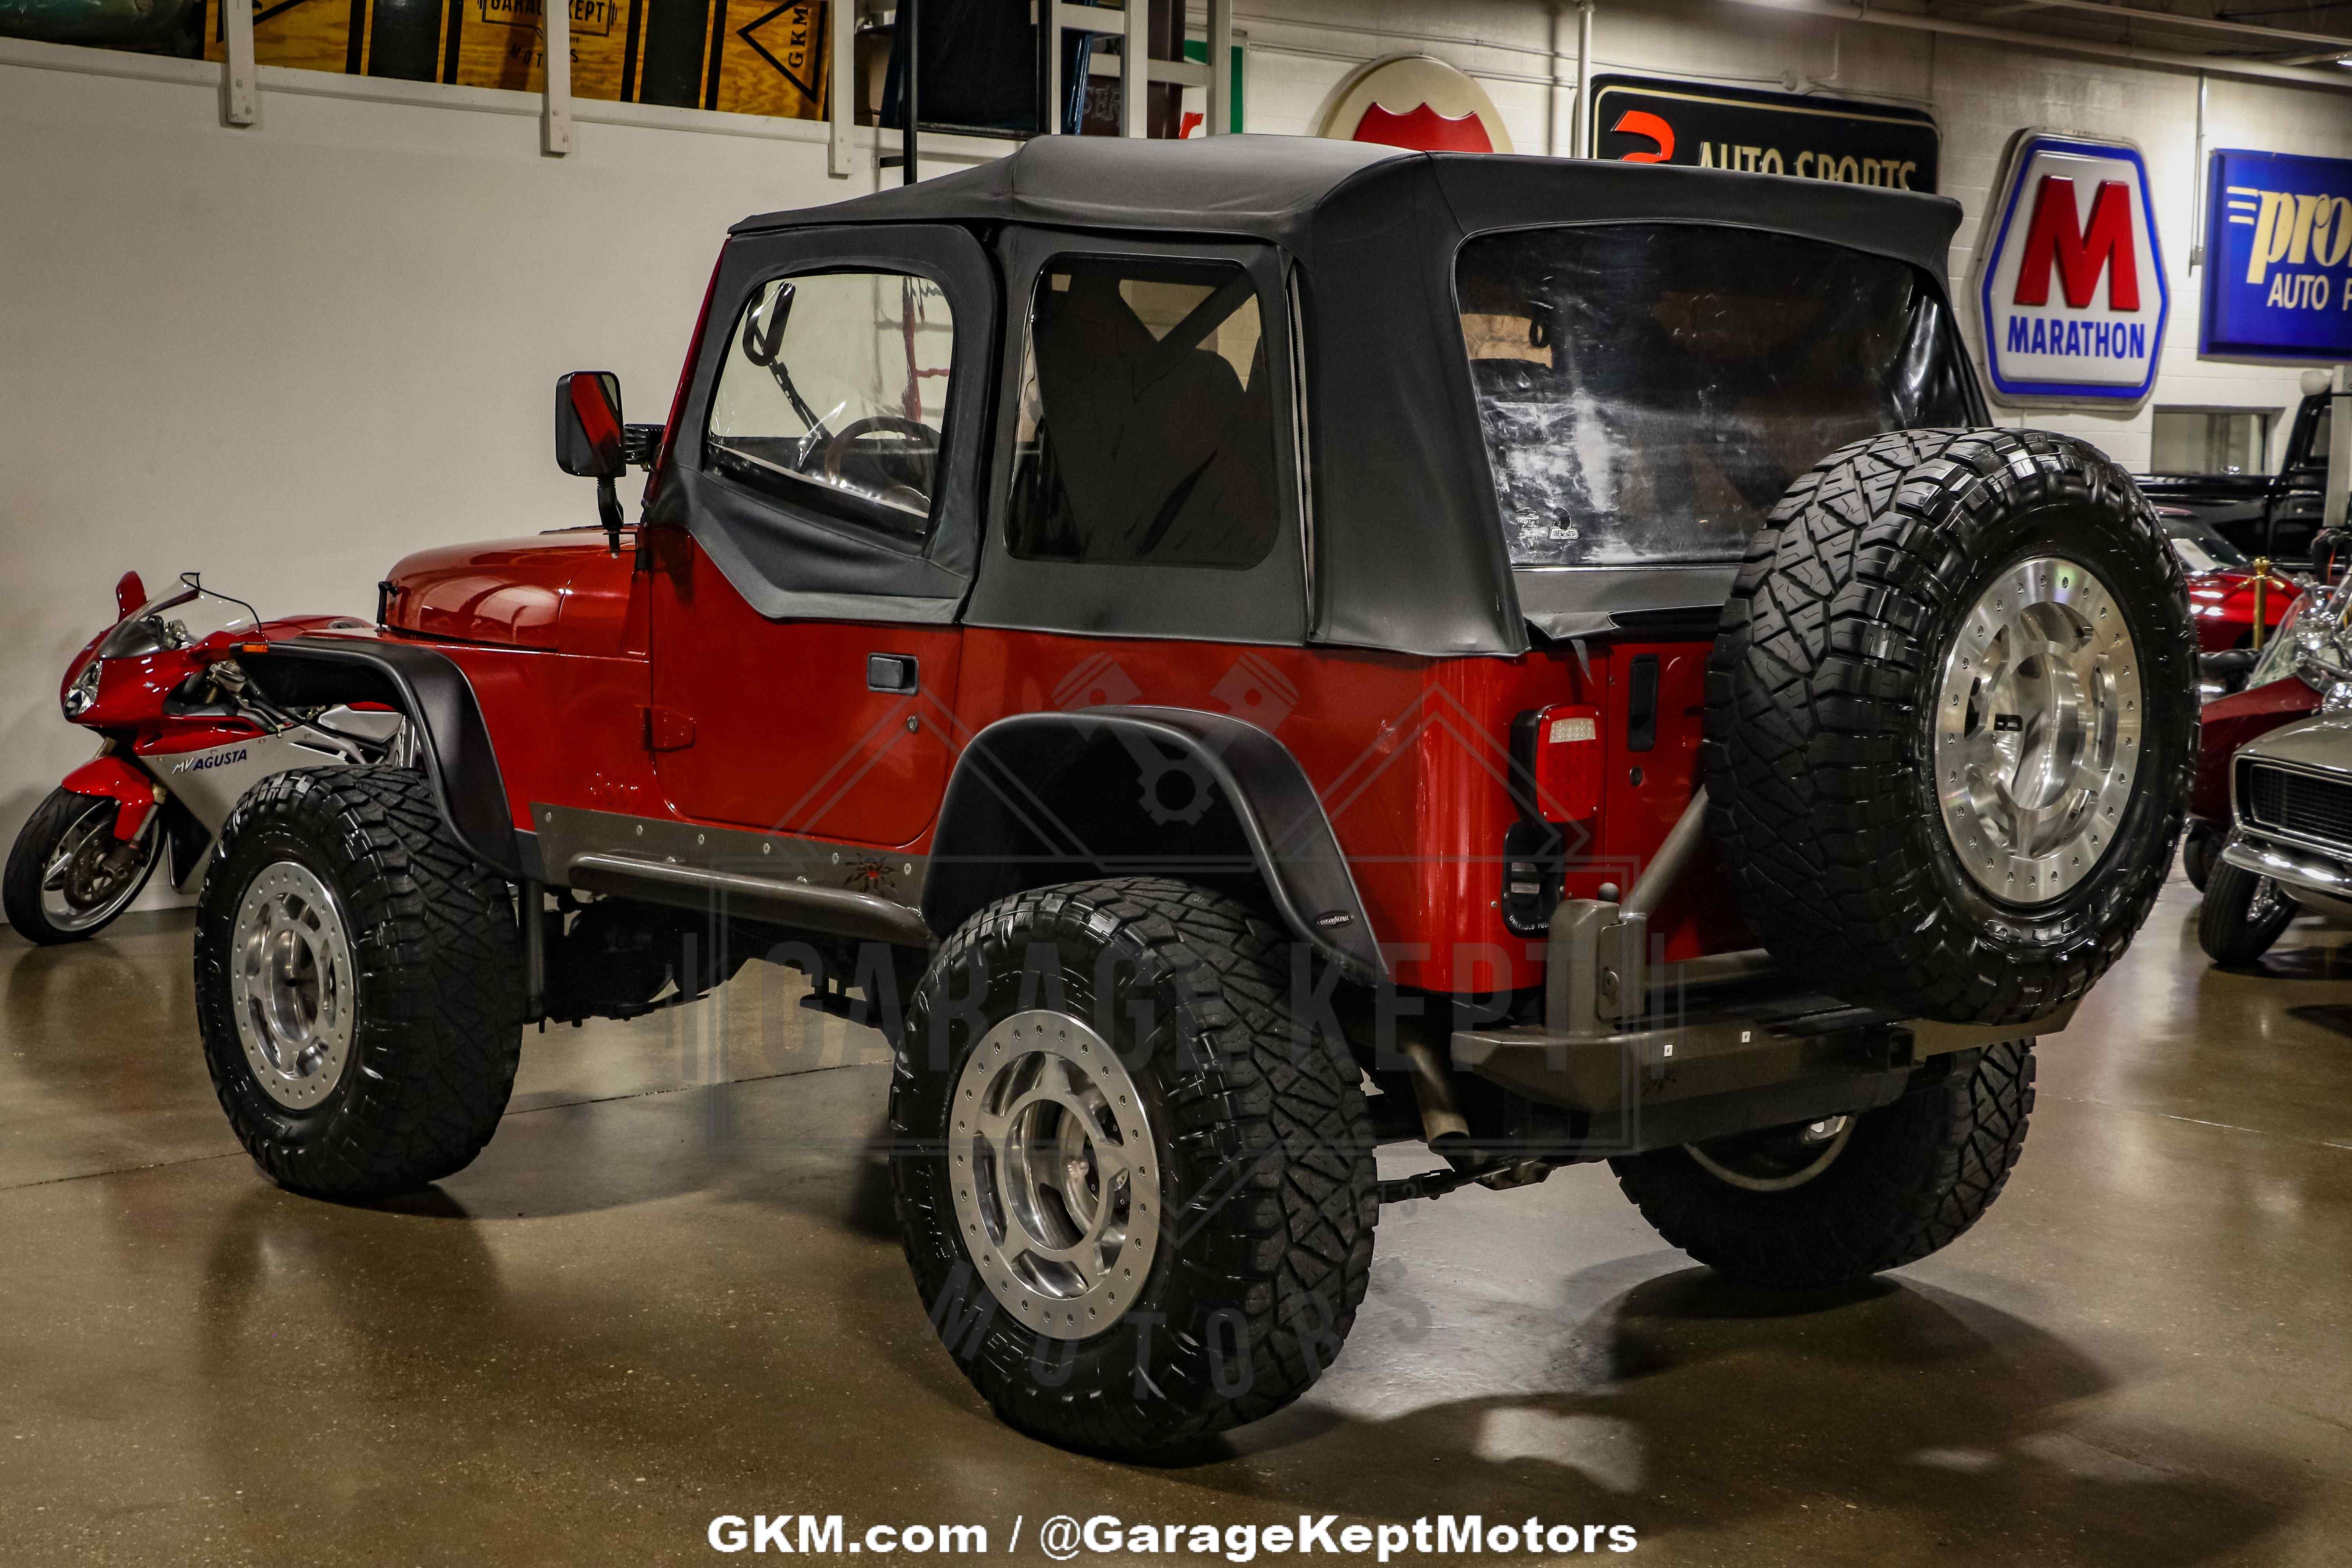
[[2278, 258], [2071, 291], [1651, 120], [1064, 1537]]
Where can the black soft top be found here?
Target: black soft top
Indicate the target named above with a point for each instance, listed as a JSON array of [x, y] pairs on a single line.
[[1293, 189], [1407, 552]]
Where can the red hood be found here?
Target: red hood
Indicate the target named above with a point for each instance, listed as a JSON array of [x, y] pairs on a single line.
[[565, 592]]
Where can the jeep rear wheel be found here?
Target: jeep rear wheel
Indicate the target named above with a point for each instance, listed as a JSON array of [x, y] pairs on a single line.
[[1825, 1203], [1136, 1195], [359, 983], [1951, 721]]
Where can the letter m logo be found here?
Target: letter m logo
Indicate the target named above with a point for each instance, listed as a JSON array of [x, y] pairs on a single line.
[[2056, 238]]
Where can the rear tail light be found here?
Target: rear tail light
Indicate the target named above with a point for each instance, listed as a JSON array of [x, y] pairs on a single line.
[[1555, 783], [1566, 762]]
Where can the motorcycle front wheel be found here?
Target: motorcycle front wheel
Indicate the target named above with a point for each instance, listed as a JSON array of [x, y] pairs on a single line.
[[68, 875]]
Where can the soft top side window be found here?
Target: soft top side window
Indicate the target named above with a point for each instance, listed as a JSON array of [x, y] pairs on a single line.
[[1146, 430], [833, 393]]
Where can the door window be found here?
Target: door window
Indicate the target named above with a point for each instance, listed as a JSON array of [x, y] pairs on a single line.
[[1146, 429], [834, 391]]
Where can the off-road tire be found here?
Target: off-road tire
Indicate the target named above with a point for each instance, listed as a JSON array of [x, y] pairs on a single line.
[[1266, 1187], [437, 975], [28, 862], [1912, 1177], [2201, 851], [2227, 928], [1822, 688]]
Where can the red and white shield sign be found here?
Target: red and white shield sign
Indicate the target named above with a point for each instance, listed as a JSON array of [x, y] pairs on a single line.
[[1412, 101]]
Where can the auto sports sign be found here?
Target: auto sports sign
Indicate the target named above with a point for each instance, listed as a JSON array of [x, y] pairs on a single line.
[[2278, 258], [2070, 282]]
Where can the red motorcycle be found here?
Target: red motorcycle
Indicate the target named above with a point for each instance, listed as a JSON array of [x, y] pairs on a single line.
[[184, 736]]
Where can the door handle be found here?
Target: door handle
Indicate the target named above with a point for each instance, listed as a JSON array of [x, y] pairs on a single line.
[[897, 673]]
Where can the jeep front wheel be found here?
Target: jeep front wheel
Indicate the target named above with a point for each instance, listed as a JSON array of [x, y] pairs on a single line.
[[1136, 1193], [1825, 1203], [359, 983]]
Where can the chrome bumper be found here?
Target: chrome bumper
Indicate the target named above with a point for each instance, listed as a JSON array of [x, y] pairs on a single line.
[[2317, 878]]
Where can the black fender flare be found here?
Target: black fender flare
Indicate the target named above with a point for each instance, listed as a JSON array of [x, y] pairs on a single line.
[[428, 687], [1004, 823]]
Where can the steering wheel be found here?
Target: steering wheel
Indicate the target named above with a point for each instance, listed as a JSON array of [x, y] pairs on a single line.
[[900, 474]]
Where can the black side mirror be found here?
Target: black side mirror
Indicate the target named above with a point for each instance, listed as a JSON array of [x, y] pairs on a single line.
[[590, 439], [588, 424]]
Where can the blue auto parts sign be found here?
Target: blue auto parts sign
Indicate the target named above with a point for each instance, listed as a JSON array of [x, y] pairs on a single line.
[[2278, 258], [2071, 289]]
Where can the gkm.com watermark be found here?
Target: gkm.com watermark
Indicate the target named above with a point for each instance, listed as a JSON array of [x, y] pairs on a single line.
[[1065, 1537]]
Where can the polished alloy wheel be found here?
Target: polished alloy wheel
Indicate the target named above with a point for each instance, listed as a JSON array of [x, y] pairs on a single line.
[[91, 874], [1051, 1161], [2037, 729], [290, 985], [1777, 1158]]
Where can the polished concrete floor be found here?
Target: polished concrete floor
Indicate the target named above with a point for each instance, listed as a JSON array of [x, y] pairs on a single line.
[[671, 1291]]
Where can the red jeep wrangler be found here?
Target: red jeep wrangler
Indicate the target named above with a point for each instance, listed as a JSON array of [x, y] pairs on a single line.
[[1233, 652]]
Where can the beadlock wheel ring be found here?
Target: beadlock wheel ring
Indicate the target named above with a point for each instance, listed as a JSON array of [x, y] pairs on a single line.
[[1051, 1162], [2037, 730], [290, 976]]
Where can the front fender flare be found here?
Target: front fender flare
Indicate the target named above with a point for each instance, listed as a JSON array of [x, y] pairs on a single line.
[[1005, 824], [430, 688]]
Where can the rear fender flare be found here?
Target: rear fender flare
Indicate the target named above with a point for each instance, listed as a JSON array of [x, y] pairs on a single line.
[[1010, 819], [431, 689]]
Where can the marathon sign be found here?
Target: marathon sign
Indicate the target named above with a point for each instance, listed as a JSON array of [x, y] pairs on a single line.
[[2278, 258], [1654, 119], [2071, 289]]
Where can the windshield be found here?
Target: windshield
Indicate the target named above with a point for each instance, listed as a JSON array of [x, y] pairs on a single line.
[[184, 616], [2202, 550], [1648, 391]]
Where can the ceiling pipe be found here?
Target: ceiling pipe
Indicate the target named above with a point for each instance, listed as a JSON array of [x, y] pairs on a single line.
[[2162, 59]]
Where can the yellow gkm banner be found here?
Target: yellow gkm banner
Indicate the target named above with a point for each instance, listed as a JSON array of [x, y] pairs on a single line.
[[748, 57]]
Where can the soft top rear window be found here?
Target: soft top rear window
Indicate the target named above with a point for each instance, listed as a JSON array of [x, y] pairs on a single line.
[[1648, 391]]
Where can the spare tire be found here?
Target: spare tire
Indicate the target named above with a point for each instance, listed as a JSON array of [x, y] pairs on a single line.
[[1951, 722]]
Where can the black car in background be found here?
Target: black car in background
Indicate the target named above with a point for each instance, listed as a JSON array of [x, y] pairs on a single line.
[[2262, 514]]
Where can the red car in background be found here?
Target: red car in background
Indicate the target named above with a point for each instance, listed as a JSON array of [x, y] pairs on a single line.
[[2221, 585]]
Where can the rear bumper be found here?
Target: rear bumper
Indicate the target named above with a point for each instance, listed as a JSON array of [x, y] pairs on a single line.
[[1643, 1055], [1696, 1069]]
